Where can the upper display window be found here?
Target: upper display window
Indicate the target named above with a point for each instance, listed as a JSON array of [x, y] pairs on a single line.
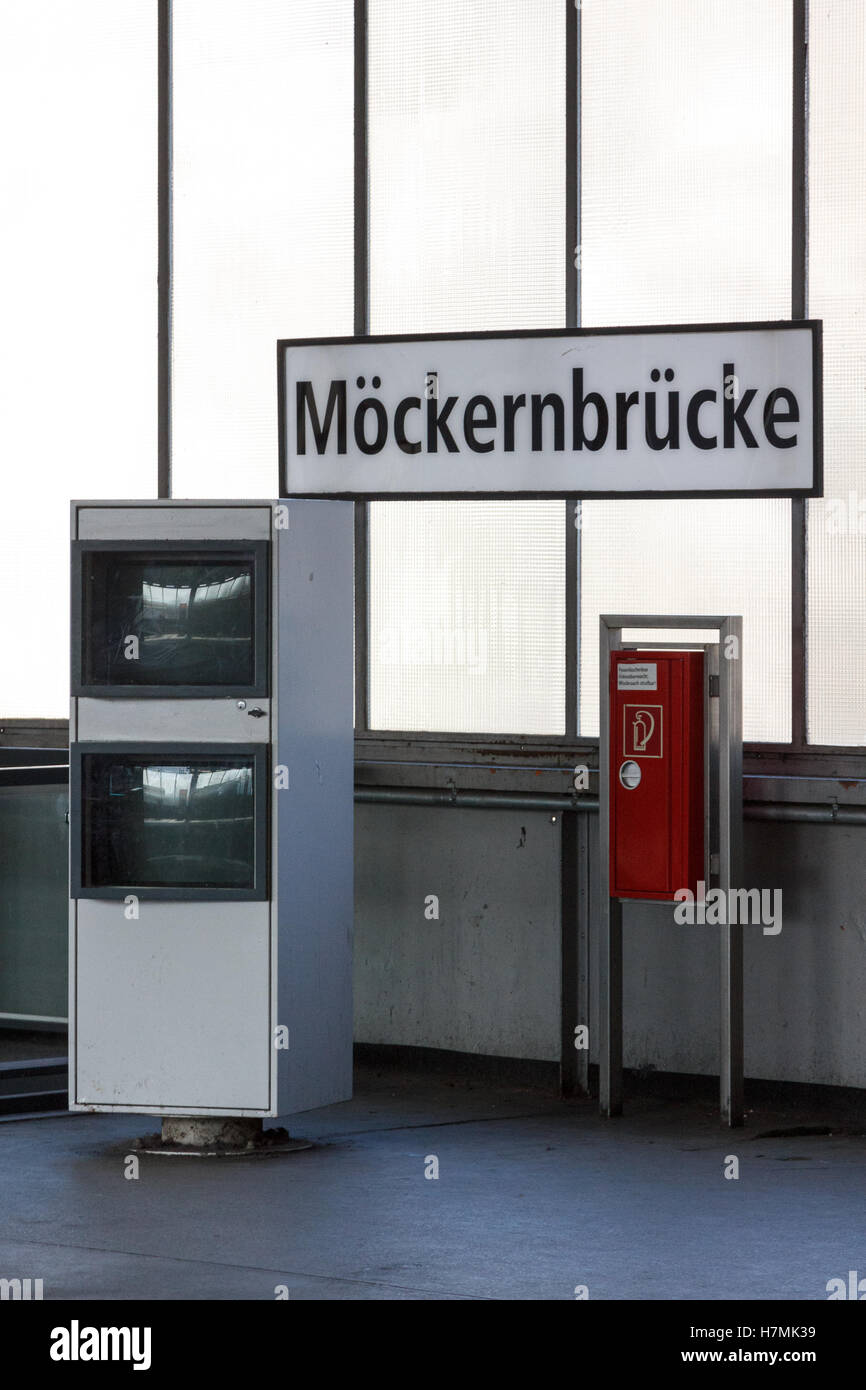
[[170, 619]]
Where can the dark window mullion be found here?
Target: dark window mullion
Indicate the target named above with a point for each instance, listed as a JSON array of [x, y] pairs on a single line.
[[799, 310]]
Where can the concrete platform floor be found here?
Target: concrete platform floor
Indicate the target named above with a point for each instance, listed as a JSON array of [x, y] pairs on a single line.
[[534, 1197]]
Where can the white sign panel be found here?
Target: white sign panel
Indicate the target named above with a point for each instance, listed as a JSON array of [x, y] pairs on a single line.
[[707, 411], [638, 676]]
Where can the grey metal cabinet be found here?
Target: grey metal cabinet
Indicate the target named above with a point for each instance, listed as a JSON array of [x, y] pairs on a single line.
[[211, 755]]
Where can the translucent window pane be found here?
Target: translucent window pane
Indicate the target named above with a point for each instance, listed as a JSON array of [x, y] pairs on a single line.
[[467, 143], [665, 562], [262, 222], [467, 617], [836, 666], [78, 349], [686, 157], [467, 208]]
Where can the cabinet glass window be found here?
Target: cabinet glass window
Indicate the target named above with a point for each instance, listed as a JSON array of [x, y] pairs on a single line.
[[171, 822], [171, 620]]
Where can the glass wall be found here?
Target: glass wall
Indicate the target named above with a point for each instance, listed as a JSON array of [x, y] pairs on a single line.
[[263, 103], [836, 664], [686, 196], [471, 635], [467, 206], [685, 205]]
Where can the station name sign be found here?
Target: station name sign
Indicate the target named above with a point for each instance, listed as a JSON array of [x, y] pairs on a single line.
[[720, 410]]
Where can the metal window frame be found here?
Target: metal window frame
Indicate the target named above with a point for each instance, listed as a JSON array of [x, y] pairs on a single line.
[[164, 205], [361, 327], [797, 757]]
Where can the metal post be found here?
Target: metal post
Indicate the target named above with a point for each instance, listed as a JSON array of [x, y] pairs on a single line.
[[568, 952], [574, 866], [362, 665], [799, 309], [361, 218], [610, 1009], [164, 246], [583, 917], [610, 910], [361, 173], [731, 867], [572, 165]]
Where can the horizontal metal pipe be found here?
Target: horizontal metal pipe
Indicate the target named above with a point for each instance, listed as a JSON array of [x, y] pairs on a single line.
[[802, 813], [805, 813], [797, 813], [486, 801]]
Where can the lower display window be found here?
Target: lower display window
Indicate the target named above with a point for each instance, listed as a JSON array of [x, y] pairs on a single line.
[[169, 821]]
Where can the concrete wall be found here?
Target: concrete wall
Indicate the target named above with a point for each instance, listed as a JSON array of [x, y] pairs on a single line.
[[486, 977], [805, 989], [483, 978]]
